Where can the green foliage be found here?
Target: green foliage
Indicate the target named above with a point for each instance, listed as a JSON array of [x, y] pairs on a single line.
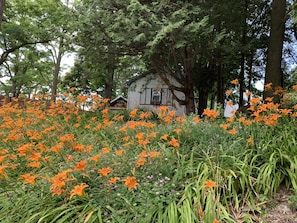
[[27, 29], [210, 174]]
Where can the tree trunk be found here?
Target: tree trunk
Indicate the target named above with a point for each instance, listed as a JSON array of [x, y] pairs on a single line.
[[241, 80], [2, 7], [56, 76], [190, 99], [250, 74], [243, 56], [220, 85], [275, 47], [212, 101], [108, 89], [170, 71], [202, 104]]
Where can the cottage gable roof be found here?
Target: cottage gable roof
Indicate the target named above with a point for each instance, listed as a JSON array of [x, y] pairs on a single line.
[[117, 99], [140, 76]]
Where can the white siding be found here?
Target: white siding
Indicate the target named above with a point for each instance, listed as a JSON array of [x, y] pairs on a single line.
[[140, 93]]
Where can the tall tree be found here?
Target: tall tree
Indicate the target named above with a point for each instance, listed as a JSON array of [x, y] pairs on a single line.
[[62, 25], [22, 27], [275, 47], [98, 47], [166, 33], [26, 69], [28, 23]]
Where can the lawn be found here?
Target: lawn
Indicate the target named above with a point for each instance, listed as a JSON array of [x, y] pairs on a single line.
[[62, 164]]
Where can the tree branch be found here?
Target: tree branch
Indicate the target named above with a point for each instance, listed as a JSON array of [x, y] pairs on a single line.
[[5, 54]]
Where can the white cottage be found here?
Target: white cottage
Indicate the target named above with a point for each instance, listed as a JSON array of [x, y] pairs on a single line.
[[149, 91]]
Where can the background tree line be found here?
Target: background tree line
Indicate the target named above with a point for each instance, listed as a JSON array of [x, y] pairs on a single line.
[[202, 44]]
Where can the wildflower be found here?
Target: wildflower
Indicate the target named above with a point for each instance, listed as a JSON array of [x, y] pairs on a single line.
[[173, 142], [224, 126], [2, 170], [230, 119], [119, 152], [279, 90], [88, 148], [77, 147], [67, 137], [113, 180], [96, 157], [105, 171], [228, 92], [230, 103], [196, 119], [144, 115], [105, 150], [215, 221], [235, 82], [167, 119], [143, 141], [24, 149], [210, 113], [267, 87], [81, 165], [133, 113], [250, 140], [139, 135], [163, 109], [78, 190], [200, 212], [131, 182], [3, 151], [210, 184], [57, 148], [153, 134], [271, 120], [164, 137], [247, 93], [180, 119], [140, 162], [171, 113], [118, 118], [269, 99], [35, 164], [154, 154], [143, 153], [286, 111], [59, 180], [34, 135], [232, 131], [2, 158], [247, 122], [254, 101], [28, 178], [127, 144], [69, 157], [67, 118], [177, 131], [105, 100]]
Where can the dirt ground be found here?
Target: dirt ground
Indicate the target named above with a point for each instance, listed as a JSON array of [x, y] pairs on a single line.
[[279, 211]]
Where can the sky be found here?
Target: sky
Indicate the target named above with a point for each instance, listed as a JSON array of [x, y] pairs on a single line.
[[67, 62]]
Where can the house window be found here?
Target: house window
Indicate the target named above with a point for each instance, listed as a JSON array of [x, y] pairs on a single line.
[[152, 96], [156, 98]]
